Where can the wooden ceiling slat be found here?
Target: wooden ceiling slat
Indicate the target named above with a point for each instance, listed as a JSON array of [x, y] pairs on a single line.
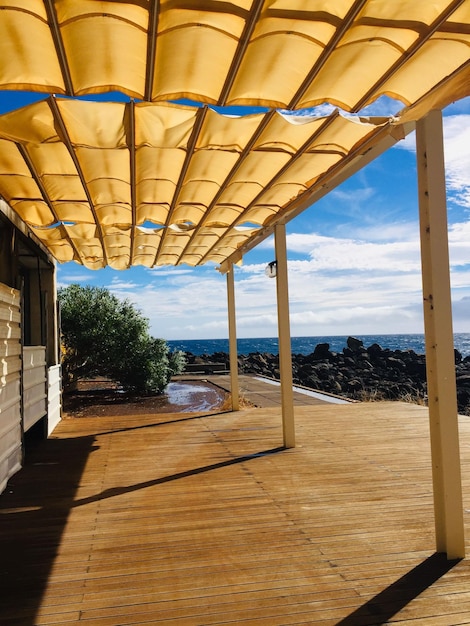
[[422, 39], [241, 49], [266, 119], [151, 48], [200, 116], [131, 146], [239, 220], [37, 179], [66, 139], [345, 24], [59, 46]]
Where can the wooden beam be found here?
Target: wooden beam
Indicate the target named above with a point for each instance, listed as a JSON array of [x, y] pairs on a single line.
[[64, 135], [440, 362], [45, 196], [412, 51], [343, 27], [297, 155], [130, 133], [243, 42], [381, 140], [59, 46], [232, 336], [285, 354], [151, 48], [191, 145]]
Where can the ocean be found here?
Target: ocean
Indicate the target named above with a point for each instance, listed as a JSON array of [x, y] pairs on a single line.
[[306, 345]]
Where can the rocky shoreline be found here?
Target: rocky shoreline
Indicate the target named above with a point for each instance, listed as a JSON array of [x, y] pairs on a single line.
[[358, 372]]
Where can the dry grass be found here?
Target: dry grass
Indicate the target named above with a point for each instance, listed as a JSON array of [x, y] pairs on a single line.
[[376, 395]]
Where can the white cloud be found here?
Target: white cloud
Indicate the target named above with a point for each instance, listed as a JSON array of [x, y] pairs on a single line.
[[366, 282], [383, 106], [459, 249], [169, 271], [404, 232], [338, 286], [461, 313], [121, 285], [334, 254], [456, 130], [68, 279], [457, 156], [351, 203], [408, 143], [355, 197], [348, 286]]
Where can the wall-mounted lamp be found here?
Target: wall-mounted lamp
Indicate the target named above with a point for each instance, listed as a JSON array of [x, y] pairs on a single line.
[[271, 269]]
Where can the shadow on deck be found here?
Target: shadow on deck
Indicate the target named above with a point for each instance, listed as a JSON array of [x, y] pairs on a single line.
[[164, 519]]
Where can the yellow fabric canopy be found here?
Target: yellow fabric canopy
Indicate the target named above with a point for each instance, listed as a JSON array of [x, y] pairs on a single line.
[[154, 182], [275, 53], [151, 184]]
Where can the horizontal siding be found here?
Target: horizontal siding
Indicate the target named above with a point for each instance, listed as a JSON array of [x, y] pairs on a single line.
[[8, 313], [54, 397], [10, 365], [10, 331], [9, 348], [34, 385], [10, 372]]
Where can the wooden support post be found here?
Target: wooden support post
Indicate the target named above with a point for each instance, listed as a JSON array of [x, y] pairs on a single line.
[[285, 354], [440, 362], [232, 335], [52, 343]]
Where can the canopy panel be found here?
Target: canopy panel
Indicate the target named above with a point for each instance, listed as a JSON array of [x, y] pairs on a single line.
[[157, 183], [151, 184], [275, 53]]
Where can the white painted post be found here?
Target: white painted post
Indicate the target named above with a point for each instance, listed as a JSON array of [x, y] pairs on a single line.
[[440, 362], [232, 335], [285, 354]]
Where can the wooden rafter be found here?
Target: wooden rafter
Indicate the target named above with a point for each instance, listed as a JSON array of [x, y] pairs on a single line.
[[151, 48], [246, 151], [37, 179], [239, 220], [68, 144], [324, 56], [241, 49], [200, 116], [130, 107], [422, 39], [59, 46]]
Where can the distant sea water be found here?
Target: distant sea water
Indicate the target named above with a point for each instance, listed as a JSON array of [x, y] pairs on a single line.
[[306, 345]]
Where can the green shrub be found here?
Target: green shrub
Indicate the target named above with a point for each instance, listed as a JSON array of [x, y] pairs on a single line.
[[102, 335]]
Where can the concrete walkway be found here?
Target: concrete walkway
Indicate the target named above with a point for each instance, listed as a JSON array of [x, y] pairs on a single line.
[[264, 392]]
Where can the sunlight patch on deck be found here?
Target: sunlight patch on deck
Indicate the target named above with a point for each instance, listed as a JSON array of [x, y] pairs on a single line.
[[308, 392]]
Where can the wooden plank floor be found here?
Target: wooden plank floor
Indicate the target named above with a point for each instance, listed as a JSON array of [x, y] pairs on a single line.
[[263, 392], [204, 520]]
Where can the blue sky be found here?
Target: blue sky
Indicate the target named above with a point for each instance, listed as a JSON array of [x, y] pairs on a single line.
[[354, 263]]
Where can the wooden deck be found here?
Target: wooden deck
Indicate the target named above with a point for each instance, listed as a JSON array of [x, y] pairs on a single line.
[[265, 393], [202, 520]]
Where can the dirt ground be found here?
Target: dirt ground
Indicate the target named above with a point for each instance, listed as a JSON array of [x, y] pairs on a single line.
[[100, 398]]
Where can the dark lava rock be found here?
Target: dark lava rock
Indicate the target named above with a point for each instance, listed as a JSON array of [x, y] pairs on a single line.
[[358, 372]]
